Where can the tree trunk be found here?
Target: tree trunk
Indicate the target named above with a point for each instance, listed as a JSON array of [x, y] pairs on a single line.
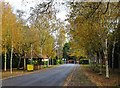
[[100, 63], [5, 60], [24, 64], [95, 63], [106, 60], [107, 69], [37, 63], [44, 64], [113, 49], [51, 61], [119, 61], [11, 58], [42, 61], [48, 63], [31, 53], [19, 62]]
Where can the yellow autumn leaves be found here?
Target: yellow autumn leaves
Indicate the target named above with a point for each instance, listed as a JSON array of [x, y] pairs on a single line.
[[23, 36]]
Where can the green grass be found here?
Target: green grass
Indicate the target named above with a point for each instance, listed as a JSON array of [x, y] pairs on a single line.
[[85, 65]]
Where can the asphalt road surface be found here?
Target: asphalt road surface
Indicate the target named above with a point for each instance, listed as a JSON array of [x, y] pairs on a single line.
[[50, 77]]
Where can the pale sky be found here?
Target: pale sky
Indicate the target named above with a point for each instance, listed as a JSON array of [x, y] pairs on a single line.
[[26, 4]]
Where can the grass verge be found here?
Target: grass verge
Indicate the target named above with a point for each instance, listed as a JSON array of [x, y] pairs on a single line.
[[101, 80]]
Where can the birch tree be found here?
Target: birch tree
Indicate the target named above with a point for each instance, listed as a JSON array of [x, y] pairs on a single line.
[[8, 30], [92, 23]]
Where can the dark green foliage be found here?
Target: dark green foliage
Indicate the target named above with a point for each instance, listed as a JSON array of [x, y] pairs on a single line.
[[84, 61], [66, 49]]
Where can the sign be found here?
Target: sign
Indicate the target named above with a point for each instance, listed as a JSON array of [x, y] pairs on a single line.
[[30, 67]]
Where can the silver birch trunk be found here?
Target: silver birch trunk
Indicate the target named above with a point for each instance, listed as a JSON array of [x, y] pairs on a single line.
[[106, 60], [11, 58], [5, 60]]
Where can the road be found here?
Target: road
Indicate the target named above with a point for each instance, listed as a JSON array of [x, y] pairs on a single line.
[[51, 77]]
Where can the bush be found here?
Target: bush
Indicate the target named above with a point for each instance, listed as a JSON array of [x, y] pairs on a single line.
[[84, 61]]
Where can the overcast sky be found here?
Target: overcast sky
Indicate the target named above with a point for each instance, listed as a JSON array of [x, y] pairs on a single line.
[[26, 4]]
